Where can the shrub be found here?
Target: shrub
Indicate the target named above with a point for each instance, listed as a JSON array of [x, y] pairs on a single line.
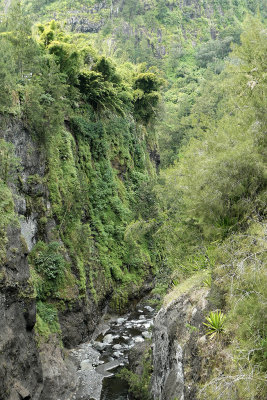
[[49, 265], [47, 320], [99, 93], [50, 262], [146, 96], [139, 384], [9, 163], [207, 281]]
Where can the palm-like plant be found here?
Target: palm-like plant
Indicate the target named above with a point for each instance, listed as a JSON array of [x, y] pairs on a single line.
[[207, 281], [215, 323]]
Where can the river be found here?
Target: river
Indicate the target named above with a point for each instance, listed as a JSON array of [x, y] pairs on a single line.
[[99, 360]]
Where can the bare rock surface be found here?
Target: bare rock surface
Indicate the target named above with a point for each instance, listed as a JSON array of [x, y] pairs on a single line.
[[176, 357], [89, 380], [20, 367]]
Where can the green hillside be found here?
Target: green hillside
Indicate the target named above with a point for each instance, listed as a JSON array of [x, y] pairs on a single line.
[[94, 123], [183, 40], [163, 33]]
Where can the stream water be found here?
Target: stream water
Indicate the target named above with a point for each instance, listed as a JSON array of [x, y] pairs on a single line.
[[99, 360]]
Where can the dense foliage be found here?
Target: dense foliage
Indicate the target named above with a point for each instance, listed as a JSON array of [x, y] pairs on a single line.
[[82, 111], [213, 211], [96, 114]]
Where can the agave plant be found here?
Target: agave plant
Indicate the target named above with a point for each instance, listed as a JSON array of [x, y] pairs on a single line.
[[208, 281], [215, 323]]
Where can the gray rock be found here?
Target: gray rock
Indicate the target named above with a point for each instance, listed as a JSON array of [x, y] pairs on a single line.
[[28, 228], [86, 365], [118, 354], [136, 357], [59, 372], [88, 381], [147, 335], [108, 338], [18, 348], [117, 346], [84, 25], [102, 328], [20, 205], [175, 348], [100, 346]]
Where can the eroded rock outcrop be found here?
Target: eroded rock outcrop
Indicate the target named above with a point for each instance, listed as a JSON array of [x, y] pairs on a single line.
[[28, 371], [20, 367], [177, 340], [43, 370]]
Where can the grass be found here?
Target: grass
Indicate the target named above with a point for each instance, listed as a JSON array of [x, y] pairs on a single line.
[[185, 286]]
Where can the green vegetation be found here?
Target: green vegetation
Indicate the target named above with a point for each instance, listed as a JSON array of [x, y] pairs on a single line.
[[50, 269], [46, 321], [7, 216], [188, 80], [182, 40], [139, 384], [8, 173], [184, 286], [96, 133], [215, 323], [213, 212]]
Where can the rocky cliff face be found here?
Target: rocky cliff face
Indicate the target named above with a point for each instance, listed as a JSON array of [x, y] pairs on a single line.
[[177, 342], [20, 367], [28, 371], [33, 362]]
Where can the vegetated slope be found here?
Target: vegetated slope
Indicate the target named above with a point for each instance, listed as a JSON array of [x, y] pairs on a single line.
[[213, 201], [184, 39], [176, 36], [213, 215], [84, 130], [93, 123], [145, 30]]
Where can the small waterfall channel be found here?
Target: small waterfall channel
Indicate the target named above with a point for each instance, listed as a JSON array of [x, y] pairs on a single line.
[[99, 360]]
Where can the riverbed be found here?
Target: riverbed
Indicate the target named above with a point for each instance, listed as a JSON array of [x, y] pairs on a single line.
[[99, 360]]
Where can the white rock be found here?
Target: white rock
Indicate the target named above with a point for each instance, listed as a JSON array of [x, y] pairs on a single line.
[[148, 308], [100, 346], [108, 338], [117, 347], [117, 354], [138, 339], [120, 321], [148, 324], [147, 335]]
